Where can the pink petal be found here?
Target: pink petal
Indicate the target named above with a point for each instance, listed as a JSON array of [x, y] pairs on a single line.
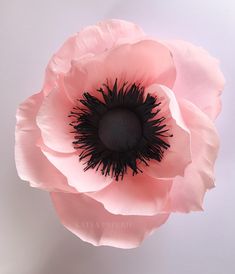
[[53, 121], [178, 156], [199, 78], [145, 62], [31, 164], [135, 195], [187, 192], [88, 219], [70, 166], [93, 39]]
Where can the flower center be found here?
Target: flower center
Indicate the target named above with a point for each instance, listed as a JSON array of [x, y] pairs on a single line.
[[120, 129]]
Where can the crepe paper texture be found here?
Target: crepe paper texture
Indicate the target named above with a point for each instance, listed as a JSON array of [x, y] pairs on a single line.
[[122, 132]]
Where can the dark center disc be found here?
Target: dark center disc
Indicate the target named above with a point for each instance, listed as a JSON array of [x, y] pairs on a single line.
[[120, 129]]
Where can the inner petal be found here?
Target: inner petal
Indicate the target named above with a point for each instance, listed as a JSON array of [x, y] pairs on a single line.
[[178, 156], [145, 62]]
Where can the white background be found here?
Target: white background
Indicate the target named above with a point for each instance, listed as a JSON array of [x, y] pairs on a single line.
[[32, 241]]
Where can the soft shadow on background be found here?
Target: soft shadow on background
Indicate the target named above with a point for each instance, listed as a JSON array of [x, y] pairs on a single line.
[[32, 241]]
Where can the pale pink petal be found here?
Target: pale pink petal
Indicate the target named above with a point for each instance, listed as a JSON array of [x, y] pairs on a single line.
[[178, 156], [31, 164], [93, 39], [199, 78], [53, 121], [135, 195], [188, 191], [60, 63], [88, 219], [73, 169], [145, 62]]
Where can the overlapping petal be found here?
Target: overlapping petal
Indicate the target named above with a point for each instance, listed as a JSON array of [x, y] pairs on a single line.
[[136, 195], [178, 156], [90, 221], [73, 169], [53, 121], [188, 191], [31, 164], [199, 78], [144, 62], [91, 40]]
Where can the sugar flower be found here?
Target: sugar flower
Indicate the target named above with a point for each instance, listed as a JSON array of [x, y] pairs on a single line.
[[122, 133]]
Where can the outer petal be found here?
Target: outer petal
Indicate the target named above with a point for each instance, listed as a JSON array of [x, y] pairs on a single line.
[[88, 219], [187, 192], [145, 62], [178, 156], [199, 78], [31, 164], [135, 195], [53, 121], [93, 39], [70, 166]]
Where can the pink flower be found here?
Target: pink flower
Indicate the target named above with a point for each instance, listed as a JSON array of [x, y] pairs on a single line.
[[139, 114]]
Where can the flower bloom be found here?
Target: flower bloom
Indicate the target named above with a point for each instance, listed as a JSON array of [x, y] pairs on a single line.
[[122, 132]]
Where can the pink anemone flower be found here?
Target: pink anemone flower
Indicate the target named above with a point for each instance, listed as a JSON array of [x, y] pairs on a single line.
[[122, 133]]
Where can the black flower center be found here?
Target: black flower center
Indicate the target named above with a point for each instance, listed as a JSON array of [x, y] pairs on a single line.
[[120, 130]]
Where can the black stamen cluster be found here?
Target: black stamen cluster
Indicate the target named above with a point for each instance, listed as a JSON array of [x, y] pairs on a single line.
[[119, 131]]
